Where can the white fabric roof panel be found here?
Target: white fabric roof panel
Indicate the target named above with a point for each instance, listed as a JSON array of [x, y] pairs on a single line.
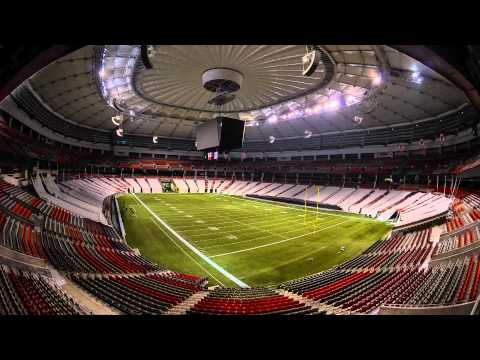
[[174, 96]]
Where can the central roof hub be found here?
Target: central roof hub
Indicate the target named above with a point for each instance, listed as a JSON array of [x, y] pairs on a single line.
[[222, 80]]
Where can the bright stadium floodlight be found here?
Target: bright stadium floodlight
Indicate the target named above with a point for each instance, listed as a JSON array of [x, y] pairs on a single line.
[[272, 119], [308, 134], [377, 80], [416, 77], [155, 139], [271, 139], [350, 100], [119, 132], [317, 108], [333, 104]]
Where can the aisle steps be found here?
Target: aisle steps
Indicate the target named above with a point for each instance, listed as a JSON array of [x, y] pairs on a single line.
[[181, 309]]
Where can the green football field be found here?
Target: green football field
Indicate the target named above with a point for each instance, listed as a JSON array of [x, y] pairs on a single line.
[[237, 242]]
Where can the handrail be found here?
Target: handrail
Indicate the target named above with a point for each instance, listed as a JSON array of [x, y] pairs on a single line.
[[475, 306], [24, 260], [460, 309], [120, 220]]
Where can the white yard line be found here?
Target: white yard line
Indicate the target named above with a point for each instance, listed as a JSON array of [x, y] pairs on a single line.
[[122, 229], [217, 212], [234, 243], [193, 248], [259, 229], [250, 240], [194, 238], [232, 229], [310, 209], [281, 241], [196, 262], [222, 224], [282, 235], [267, 218], [285, 206]]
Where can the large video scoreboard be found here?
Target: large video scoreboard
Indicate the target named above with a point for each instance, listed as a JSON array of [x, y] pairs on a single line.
[[221, 134]]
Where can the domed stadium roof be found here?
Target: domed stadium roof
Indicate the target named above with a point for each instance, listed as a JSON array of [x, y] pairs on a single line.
[[354, 87]]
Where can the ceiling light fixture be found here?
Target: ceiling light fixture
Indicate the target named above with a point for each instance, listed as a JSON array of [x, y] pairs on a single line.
[[271, 139], [151, 51], [117, 120], [416, 77], [155, 139]]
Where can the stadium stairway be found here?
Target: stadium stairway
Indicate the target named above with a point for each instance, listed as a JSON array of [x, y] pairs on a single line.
[[87, 302], [357, 201], [332, 194], [434, 239], [242, 187], [313, 304], [138, 184], [184, 306]]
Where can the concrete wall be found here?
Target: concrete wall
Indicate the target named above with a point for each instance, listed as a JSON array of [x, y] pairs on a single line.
[[27, 262], [459, 309], [472, 249]]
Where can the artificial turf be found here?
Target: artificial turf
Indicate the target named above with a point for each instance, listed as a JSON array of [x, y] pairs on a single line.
[[260, 243]]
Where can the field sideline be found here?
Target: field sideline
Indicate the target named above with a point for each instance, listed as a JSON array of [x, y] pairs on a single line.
[[258, 243]]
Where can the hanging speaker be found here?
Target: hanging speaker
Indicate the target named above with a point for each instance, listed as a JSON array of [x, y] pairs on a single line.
[[145, 58]]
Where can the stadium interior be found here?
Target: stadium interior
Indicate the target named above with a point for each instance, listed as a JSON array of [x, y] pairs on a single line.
[[239, 180]]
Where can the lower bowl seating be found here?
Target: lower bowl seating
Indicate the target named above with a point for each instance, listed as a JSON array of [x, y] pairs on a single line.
[[25, 293], [248, 302]]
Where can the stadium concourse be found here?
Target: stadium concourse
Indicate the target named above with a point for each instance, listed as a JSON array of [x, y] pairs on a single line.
[[354, 190]]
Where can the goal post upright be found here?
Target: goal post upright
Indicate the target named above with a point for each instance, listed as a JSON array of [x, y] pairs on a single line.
[[305, 205]]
